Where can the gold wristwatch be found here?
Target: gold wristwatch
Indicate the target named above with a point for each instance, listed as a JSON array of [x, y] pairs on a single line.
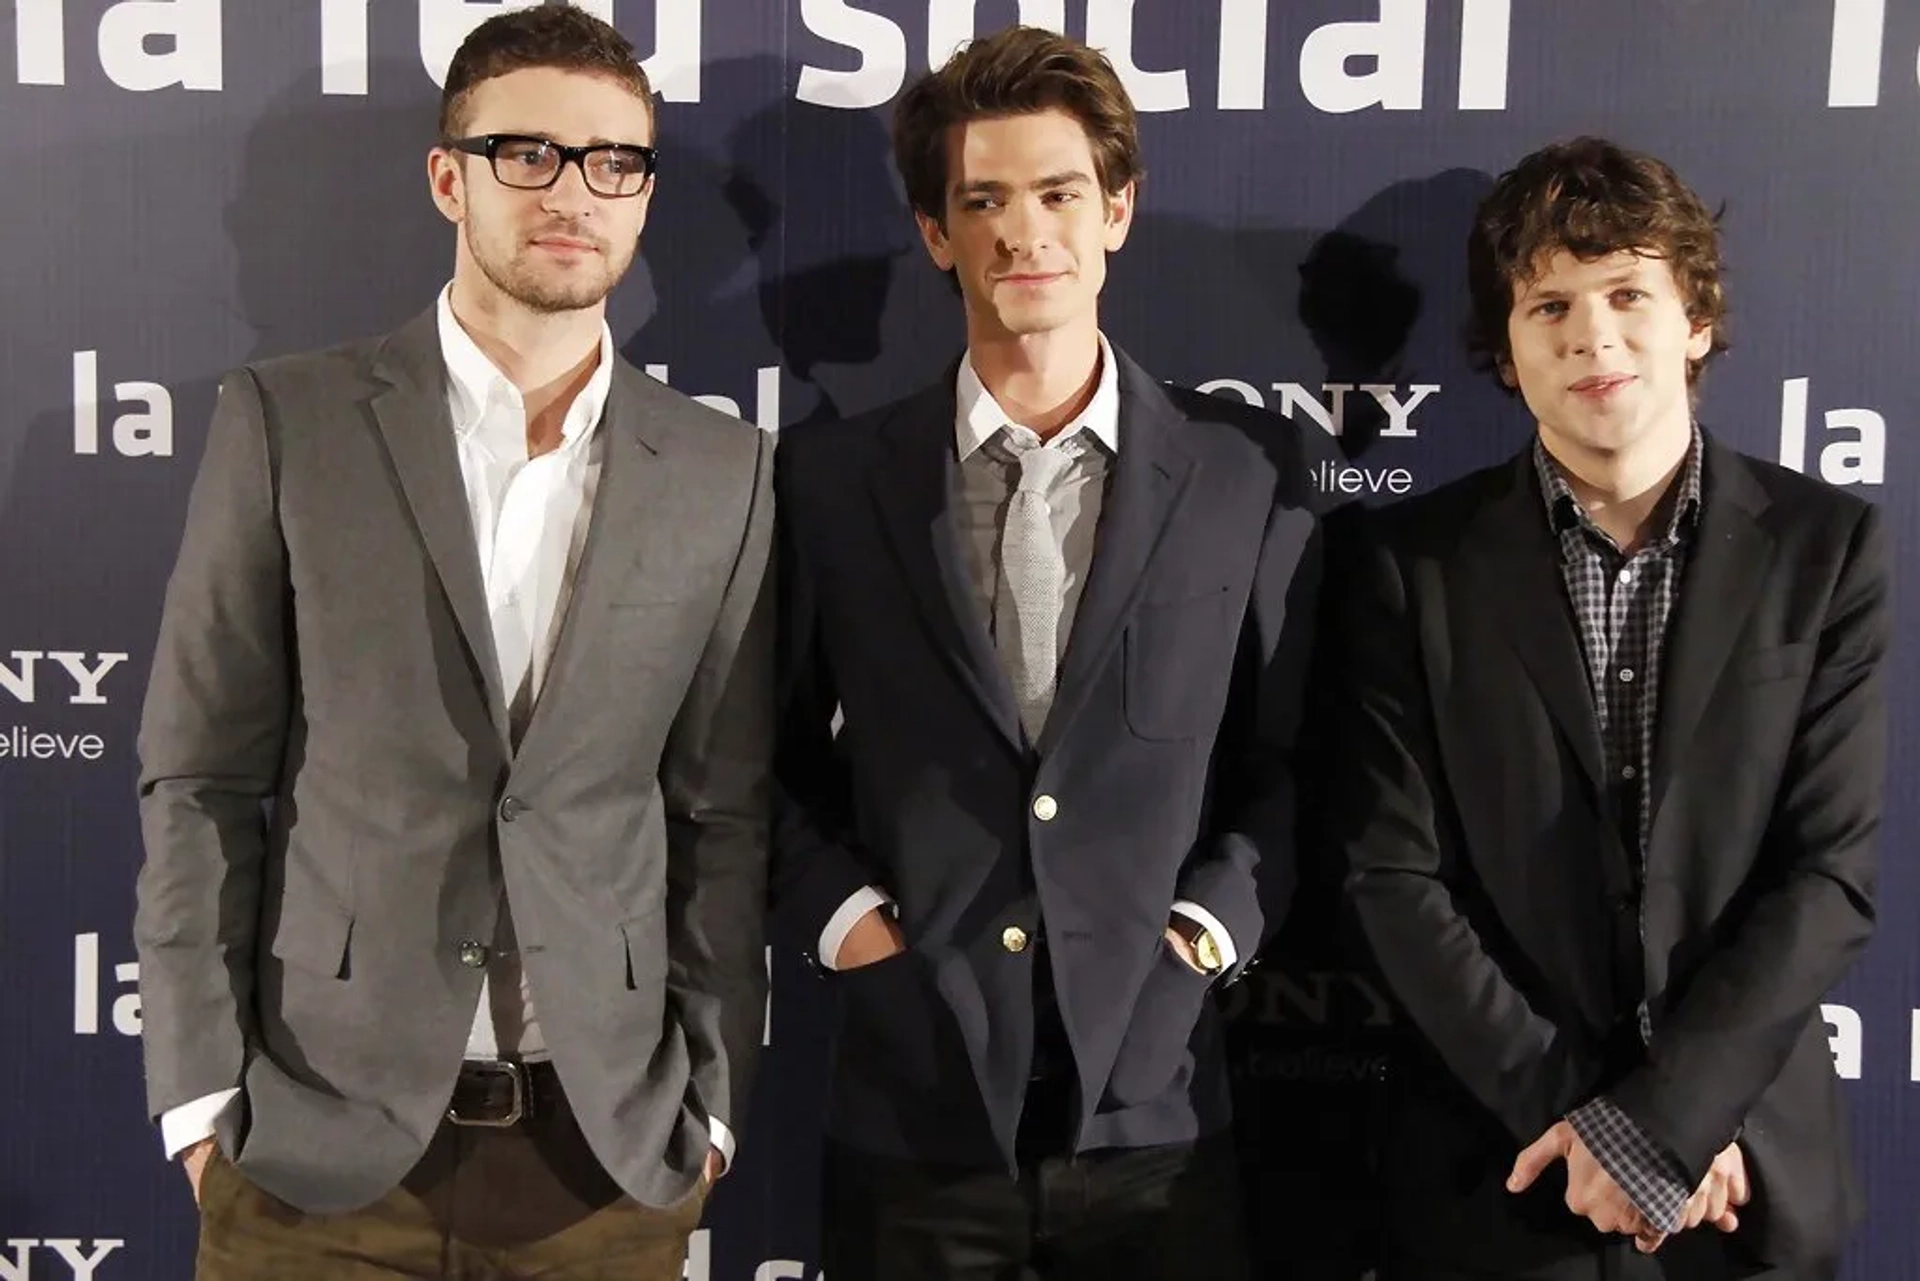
[[1207, 952]]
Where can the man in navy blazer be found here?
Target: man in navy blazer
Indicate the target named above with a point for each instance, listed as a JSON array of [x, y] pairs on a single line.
[[1062, 614]]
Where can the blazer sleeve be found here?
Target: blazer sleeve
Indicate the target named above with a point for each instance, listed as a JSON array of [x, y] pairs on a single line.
[[213, 735], [1406, 883], [1246, 867], [1719, 1048], [816, 866], [714, 780]]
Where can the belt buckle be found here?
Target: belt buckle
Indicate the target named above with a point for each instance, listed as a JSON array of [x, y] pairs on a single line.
[[515, 1073]]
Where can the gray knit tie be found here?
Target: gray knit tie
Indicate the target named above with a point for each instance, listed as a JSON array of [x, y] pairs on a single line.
[[1033, 580]]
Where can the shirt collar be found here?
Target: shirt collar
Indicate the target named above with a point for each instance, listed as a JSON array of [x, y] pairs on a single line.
[[1565, 513], [978, 416], [475, 380]]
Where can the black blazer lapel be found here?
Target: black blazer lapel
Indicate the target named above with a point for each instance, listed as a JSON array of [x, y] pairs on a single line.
[[415, 423], [1511, 565], [1725, 570], [913, 488], [1149, 475]]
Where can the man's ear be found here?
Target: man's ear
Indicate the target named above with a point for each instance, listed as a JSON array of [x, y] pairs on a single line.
[[1700, 341], [934, 237], [447, 183], [1120, 206]]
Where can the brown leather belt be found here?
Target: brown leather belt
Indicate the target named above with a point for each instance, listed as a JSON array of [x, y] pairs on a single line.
[[500, 1092]]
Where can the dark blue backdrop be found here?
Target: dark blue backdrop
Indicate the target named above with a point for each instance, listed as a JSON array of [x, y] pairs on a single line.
[[193, 183]]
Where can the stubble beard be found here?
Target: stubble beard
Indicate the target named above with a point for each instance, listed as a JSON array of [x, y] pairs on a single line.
[[548, 293]]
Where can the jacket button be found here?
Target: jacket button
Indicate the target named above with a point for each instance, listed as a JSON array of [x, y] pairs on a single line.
[[511, 807], [1044, 808], [1014, 939], [472, 955]]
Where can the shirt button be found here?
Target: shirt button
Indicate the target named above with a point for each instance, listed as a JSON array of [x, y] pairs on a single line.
[[473, 955], [1629, 773], [1014, 939], [511, 807], [1626, 575], [1626, 674], [1044, 808]]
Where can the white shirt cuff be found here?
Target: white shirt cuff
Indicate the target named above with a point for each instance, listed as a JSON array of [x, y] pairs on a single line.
[[841, 923], [186, 1125], [1211, 924], [722, 1139]]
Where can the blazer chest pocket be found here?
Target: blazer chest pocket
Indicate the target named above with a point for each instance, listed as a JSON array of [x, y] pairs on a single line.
[[1178, 656], [314, 939], [1758, 667], [642, 602]]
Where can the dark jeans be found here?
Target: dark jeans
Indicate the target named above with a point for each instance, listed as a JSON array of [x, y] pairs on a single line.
[[1146, 1214], [526, 1200]]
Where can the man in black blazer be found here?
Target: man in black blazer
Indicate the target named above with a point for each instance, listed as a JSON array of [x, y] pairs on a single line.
[[1616, 753], [1063, 612]]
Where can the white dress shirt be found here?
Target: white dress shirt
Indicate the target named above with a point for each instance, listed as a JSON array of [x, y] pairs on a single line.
[[978, 418], [530, 518]]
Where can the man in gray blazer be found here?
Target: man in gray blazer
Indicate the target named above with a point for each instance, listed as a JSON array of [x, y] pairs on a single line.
[[454, 759]]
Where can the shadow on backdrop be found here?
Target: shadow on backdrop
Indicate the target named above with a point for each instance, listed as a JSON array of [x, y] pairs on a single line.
[[816, 192], [773, 242], [335, 231], [1378, 299], [1195, 301], [688, 304], [1384, 297]]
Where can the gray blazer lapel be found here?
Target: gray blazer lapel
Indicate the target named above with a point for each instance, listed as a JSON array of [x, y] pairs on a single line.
[[630, 505], [418, 430]]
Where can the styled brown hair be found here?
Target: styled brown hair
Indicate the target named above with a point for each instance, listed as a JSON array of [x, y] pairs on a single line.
[[549, 35], [1591, 198], [1015, 72]]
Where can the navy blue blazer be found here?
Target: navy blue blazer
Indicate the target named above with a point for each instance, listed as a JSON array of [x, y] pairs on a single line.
[[1166, 764]]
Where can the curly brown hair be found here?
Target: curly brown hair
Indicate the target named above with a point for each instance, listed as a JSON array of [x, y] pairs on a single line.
[[1015, 72], [558, 36], [1591, 198]]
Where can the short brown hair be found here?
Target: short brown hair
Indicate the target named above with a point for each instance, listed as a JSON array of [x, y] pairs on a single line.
[[548, 35], [1591, 198], [1016, 72]]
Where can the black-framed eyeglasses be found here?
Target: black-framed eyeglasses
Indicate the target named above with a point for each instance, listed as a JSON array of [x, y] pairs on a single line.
[[534, 164]]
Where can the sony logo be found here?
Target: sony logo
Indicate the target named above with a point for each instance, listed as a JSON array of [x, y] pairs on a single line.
[[56, 1256], [21, 674]]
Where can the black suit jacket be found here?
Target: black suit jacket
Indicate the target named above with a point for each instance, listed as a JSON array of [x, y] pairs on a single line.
[[1167, 754], [1492, 884]]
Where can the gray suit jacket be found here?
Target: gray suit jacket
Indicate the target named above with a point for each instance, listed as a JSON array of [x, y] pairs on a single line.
[[331, 804]]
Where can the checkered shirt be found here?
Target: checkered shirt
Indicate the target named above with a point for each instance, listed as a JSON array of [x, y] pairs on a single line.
[[1622, 603]]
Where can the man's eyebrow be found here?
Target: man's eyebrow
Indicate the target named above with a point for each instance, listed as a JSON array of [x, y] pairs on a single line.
[[597, 140], [1064, 179], [991, 186], [1627, 277]]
